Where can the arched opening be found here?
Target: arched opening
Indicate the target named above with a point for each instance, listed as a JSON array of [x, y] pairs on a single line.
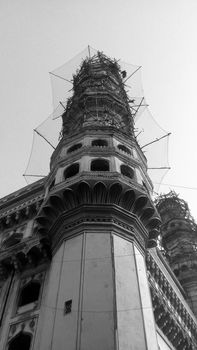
[[74, 147], [29, 294], [22, 341], [100, 143], [124, 149], [127, 171], [99, 165], [72, 170]]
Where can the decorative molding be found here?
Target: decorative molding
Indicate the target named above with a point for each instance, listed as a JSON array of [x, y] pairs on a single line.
[[21, 212], [26, 254], [89, 219], [170, 314], [27, 326], [100, 193]]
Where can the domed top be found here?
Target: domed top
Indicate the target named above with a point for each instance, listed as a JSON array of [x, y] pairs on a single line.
[[99, 99]]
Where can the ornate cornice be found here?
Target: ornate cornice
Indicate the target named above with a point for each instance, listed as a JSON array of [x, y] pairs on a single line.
[[28, 253], [22, 194], [99, 193], [101, 219], [21, 211], [104, 177]]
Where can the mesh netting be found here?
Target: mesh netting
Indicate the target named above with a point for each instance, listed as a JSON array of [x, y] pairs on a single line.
[[151, 137], [62, 77], [154, 142], [38, 165]]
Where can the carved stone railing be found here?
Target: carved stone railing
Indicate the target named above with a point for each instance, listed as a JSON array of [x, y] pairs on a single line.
[[171, 316]]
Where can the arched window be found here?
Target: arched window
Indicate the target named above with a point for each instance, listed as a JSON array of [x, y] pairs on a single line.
[[29, 293], [72, 170], [124, 149], [99, 165], [22, 341], [127, 171], [100, 143], [74, 147]]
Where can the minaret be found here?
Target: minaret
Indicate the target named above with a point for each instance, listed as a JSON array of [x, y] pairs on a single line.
[[179, 240], [100, 219]]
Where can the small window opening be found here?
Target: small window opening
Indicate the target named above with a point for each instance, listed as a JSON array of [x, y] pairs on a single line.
[[127, 171], [124, 149], [67, 307], [22, 341], [100, 165], [29, 294], [100, 143], [72, 170], [74, 147]]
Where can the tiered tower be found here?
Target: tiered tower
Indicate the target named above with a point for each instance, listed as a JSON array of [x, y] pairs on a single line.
[[73, 245], [179, 240], [100, 219]]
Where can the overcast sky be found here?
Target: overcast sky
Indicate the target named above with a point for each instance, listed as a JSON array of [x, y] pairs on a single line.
[[39, 36]]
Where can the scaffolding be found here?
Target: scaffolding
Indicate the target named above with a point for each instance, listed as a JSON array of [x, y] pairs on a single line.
[[66, 79]]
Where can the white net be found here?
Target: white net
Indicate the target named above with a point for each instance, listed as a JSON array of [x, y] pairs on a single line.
[[154, 142], [150, 136]]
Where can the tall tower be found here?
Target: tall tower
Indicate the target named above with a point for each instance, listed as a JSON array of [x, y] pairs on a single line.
[[179, 240], [77, 280], [100, 219]]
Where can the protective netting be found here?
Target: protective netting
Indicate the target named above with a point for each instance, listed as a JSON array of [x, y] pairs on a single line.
[[154, 142], [150, 136]]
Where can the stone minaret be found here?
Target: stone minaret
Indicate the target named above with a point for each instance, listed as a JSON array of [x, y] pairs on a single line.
[[179, 240], [100, 219]]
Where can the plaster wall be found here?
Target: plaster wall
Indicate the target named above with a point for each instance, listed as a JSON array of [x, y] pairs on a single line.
[[130, 325], [139, 176], [118, 163], [97, 326], [81, 271], [147, 310], [56, 327]]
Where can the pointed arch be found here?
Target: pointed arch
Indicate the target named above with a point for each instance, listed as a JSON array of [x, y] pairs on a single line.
[[153, 223], [99, 193], [115, 192], [139, 204], [57, 202], [128, 199], [50, 211], [84, 193], [147, 213], [21, 341], [69, 199]]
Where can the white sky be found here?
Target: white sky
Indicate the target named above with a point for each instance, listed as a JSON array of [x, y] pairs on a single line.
[[39, 36]]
